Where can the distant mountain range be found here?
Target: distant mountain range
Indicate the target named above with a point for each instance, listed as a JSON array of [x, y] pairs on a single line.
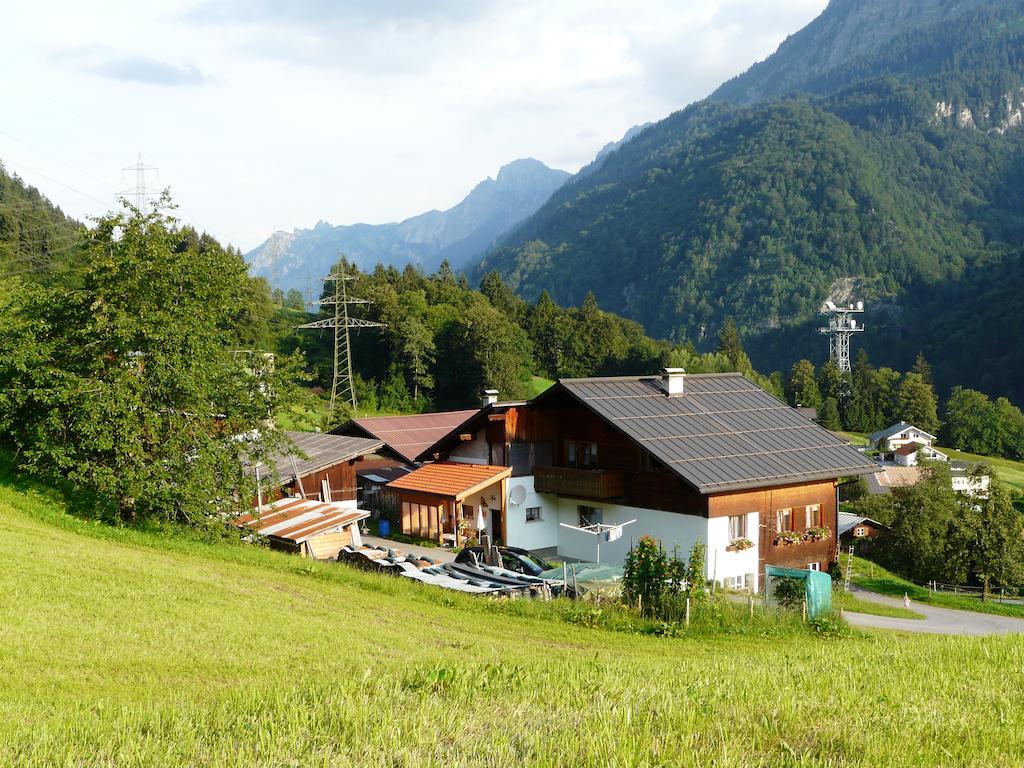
[[878, 151], [460, 234]]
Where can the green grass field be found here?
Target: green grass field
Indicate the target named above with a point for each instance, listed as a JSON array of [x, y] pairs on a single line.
[[877, 579], [128, 648]]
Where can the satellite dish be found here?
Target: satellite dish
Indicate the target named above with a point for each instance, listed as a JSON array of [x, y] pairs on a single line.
[[517, 495]]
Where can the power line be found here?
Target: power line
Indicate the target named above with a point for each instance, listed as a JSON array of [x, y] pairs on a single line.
[[65, 163], [55, 181]]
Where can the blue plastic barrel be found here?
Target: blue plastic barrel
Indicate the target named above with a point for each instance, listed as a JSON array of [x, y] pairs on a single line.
[[384, 527]]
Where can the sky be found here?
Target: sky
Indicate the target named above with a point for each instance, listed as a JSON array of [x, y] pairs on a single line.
[[262, 115]]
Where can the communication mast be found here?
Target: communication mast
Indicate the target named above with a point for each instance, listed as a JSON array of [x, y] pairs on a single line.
[[841, 326], [341, 386]]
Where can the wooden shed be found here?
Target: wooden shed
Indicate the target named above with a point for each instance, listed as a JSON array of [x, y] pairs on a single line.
[[310, 528]]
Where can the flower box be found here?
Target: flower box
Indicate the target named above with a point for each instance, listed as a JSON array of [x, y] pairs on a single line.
[[789, 537], [738, 545], [821, 533]]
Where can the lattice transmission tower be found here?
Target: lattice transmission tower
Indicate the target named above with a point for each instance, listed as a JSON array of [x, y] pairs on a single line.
[[841, 326], [140, 191], [342, 386]]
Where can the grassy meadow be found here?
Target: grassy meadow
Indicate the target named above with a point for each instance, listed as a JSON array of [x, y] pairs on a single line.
[[155, 648]]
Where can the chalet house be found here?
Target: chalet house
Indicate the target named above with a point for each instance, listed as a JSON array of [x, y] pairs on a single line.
[[709, 458], [887, 441], [322, 467], [403, 439]]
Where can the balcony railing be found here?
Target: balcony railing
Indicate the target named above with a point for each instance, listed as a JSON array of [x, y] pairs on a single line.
[[579, 483]]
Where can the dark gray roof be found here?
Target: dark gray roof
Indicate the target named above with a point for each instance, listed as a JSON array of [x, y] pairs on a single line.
[[324, 450], [723, 433]]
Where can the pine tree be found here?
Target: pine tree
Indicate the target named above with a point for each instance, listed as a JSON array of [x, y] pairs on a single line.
[[828, 416], [731, 345], [917, 403], [802, 389]]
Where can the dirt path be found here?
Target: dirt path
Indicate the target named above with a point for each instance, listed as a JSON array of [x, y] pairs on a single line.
[[938, 621]]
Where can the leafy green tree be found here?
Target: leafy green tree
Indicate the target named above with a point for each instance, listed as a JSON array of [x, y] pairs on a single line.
[[418, 352], [136, 392], [802, 389], [998, 552], [970, 424], [917, 404], [295, 300]]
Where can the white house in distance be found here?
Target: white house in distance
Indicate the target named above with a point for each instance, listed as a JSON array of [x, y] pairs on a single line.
[[967, 480], [910, 454], [710, 458], [898, 435]]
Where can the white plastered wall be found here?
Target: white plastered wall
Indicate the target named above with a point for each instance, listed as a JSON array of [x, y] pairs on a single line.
[[540, 534]]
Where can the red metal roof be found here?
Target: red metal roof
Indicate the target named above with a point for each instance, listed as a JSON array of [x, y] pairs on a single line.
[[409, 436], [450, 479], [908, 449], [296, 519]]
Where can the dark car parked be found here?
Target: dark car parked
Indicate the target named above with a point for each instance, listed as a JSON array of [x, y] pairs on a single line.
[[512, 558]]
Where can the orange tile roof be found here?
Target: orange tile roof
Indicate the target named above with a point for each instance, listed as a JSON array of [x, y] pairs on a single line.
[[450, 478]]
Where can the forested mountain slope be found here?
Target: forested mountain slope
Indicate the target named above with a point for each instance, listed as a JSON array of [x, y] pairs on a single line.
[[35, 236], [898, 174]]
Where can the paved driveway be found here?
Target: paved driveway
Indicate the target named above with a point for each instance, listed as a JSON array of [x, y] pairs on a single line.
[[939, 621]]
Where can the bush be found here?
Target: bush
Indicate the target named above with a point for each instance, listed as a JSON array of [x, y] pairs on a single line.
[[788, 591]]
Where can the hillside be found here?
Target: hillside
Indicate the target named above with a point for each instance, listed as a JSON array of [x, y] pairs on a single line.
[[898, 173], [291, 259], [36, 237], [134, 649]]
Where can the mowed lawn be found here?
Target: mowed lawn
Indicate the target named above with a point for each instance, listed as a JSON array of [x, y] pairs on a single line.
[[132, 649]]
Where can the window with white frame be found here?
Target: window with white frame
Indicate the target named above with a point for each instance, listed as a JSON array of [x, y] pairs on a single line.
[[814, 566], [737, 527], [532, 514], [860, 532], [813, 515], [784, 520]]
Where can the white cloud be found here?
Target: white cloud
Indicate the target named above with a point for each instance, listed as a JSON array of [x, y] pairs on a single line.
[[355, 111]]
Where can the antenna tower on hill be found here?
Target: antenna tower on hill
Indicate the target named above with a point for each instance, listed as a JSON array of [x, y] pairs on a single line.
[[841, 326], [342, 386]]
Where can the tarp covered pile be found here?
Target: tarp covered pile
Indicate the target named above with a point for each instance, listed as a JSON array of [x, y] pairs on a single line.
[[457, 576]]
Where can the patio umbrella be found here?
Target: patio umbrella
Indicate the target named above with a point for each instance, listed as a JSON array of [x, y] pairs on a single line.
[[480, 518]]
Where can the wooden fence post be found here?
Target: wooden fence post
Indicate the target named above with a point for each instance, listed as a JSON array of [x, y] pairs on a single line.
[[805, 609], [687, 612]]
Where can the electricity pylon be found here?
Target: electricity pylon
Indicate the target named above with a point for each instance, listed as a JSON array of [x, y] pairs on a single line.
[[342, 386], [141, 193]]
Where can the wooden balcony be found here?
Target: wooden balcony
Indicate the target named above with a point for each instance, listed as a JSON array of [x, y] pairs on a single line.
[[578, 483]]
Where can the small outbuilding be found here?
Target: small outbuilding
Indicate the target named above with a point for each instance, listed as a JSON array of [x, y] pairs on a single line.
[[855, 527], [441, 500], [321, 466], [307, 527]]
